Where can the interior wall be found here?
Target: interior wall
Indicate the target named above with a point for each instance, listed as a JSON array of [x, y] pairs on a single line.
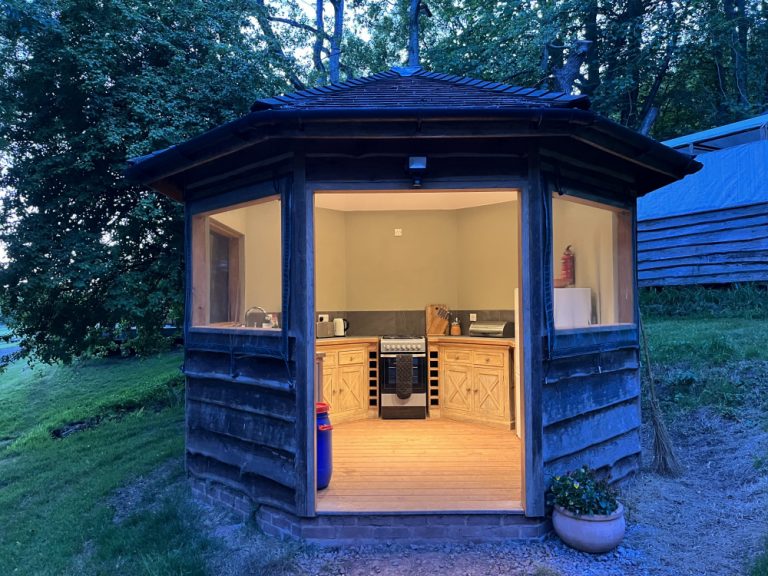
[[261, 224], [330, 260], [487, 256], [408, 272], [590, 233]]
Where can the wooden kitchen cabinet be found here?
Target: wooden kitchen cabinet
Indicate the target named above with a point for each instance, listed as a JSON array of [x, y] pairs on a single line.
[[345, 382], [475, 383]]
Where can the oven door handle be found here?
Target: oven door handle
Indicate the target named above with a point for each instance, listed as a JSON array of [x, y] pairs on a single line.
[[402, 354]]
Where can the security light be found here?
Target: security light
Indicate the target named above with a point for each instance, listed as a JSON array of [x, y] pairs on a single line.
[[417, 166]]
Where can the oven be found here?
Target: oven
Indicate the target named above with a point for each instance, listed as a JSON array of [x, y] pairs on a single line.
[[403, 377]]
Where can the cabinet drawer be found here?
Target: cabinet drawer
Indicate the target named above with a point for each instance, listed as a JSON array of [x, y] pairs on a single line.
[[489, 358], [457, 356], [351, 357], [329, 360]]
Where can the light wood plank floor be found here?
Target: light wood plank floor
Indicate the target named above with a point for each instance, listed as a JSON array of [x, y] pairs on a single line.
[[422, 466]]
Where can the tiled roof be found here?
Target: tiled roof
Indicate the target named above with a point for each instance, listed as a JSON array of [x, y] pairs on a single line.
[[416, 88]]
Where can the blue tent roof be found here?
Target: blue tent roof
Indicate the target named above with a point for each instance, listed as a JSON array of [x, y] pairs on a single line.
[[735, 176]]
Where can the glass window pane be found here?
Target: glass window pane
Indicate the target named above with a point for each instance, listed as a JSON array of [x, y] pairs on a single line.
[[237, 266], [219, 277], [592, 264]]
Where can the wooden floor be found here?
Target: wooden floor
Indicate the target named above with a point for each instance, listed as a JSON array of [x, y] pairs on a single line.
[[422, 466]]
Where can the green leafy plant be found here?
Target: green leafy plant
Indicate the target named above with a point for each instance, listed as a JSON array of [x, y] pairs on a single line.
[[582, 493]]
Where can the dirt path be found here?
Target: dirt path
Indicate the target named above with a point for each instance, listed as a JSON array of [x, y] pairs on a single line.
[[714, 518]]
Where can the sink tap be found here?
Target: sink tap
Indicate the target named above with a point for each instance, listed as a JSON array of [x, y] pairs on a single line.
[[254, 316]]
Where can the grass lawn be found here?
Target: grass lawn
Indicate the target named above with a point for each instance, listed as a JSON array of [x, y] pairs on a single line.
[[721, 363], [717, 362], [57, 496]]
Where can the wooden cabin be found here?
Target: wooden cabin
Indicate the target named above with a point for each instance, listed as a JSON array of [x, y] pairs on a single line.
[[710, 228], [401, 203]]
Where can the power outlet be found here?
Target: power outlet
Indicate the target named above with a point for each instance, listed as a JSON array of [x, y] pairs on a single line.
[[473, 317], [398, 232], [324, 318]]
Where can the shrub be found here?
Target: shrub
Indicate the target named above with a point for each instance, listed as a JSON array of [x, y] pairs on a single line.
[[582, 493]]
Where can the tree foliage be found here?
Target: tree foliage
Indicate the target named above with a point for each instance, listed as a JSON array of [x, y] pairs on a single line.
[[85, 84]]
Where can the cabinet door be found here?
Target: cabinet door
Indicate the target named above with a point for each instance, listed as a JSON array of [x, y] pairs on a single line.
[[351, 388], [489, 390], [457, 387], [329, 386]]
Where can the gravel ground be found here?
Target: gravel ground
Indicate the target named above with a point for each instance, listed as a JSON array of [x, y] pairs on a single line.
[[710, 521]]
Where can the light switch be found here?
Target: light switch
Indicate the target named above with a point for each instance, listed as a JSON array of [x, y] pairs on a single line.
[[398, 231]]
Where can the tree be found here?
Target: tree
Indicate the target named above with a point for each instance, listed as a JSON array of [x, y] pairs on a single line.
[[84, 86]]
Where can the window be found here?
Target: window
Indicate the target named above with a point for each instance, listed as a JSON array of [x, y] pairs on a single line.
[[237, 266], [592, 264]]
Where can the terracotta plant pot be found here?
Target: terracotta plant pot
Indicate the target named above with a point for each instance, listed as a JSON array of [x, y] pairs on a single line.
[[589, 533]]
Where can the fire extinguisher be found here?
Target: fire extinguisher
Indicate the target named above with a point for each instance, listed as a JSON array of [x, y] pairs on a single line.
[[567, 271]]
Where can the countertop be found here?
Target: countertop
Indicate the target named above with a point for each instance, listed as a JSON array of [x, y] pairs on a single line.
[[486, 341], [478, 340], [347, 340]]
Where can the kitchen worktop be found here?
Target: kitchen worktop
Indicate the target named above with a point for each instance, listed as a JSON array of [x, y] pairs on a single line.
[[472, 340], [347, 340]]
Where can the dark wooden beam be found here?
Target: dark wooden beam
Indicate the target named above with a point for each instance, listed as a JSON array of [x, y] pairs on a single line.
[[533, 202], [168, 188]]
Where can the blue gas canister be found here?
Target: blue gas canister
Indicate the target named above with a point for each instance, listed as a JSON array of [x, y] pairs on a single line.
[[324, 450]]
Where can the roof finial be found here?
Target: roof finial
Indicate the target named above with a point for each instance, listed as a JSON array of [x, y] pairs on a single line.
[[417, 7]]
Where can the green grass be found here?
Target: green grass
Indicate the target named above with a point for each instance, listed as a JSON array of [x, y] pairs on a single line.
[[56, 516], [717, 362]]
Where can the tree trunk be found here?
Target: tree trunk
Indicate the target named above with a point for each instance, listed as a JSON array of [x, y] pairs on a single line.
[[338, 32], [413, 33], [648, 120], [317, 49], [591, 34], [262, 17]]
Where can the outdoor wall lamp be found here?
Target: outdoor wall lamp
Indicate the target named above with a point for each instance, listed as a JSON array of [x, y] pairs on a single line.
[[417, 166]]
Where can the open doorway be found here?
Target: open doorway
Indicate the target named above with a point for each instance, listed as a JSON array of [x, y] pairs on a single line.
[[411, 269]]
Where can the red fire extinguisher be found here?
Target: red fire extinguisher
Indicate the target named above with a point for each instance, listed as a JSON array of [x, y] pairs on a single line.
[[567, 270]]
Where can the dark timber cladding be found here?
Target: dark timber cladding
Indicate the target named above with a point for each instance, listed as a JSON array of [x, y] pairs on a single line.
[[250, 393], [591, 404], [722, 246]]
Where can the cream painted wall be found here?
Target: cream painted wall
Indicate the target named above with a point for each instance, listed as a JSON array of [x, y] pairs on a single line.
[[590, 232], [443, 257], [234, 219], [385, 272], [261, 224], [330, 260], [487, 255]]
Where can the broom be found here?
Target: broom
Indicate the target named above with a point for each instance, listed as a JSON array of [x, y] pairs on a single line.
[[665, 461]]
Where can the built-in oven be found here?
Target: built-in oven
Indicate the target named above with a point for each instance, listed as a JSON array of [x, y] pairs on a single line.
[[403, 377]]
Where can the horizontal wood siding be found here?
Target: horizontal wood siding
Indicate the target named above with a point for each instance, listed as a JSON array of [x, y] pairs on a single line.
[[591, 411], [729, 245], [241, 424]]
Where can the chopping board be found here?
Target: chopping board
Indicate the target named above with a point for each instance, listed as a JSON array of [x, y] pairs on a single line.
[[438, 318]]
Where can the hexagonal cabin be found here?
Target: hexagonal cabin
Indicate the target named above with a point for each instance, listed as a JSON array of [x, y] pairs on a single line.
[[449, 263]]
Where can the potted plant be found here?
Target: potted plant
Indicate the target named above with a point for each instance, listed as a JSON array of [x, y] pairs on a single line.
[[586, 514]]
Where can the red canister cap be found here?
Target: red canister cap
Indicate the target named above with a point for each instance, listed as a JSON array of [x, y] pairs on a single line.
[[322, 407]]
